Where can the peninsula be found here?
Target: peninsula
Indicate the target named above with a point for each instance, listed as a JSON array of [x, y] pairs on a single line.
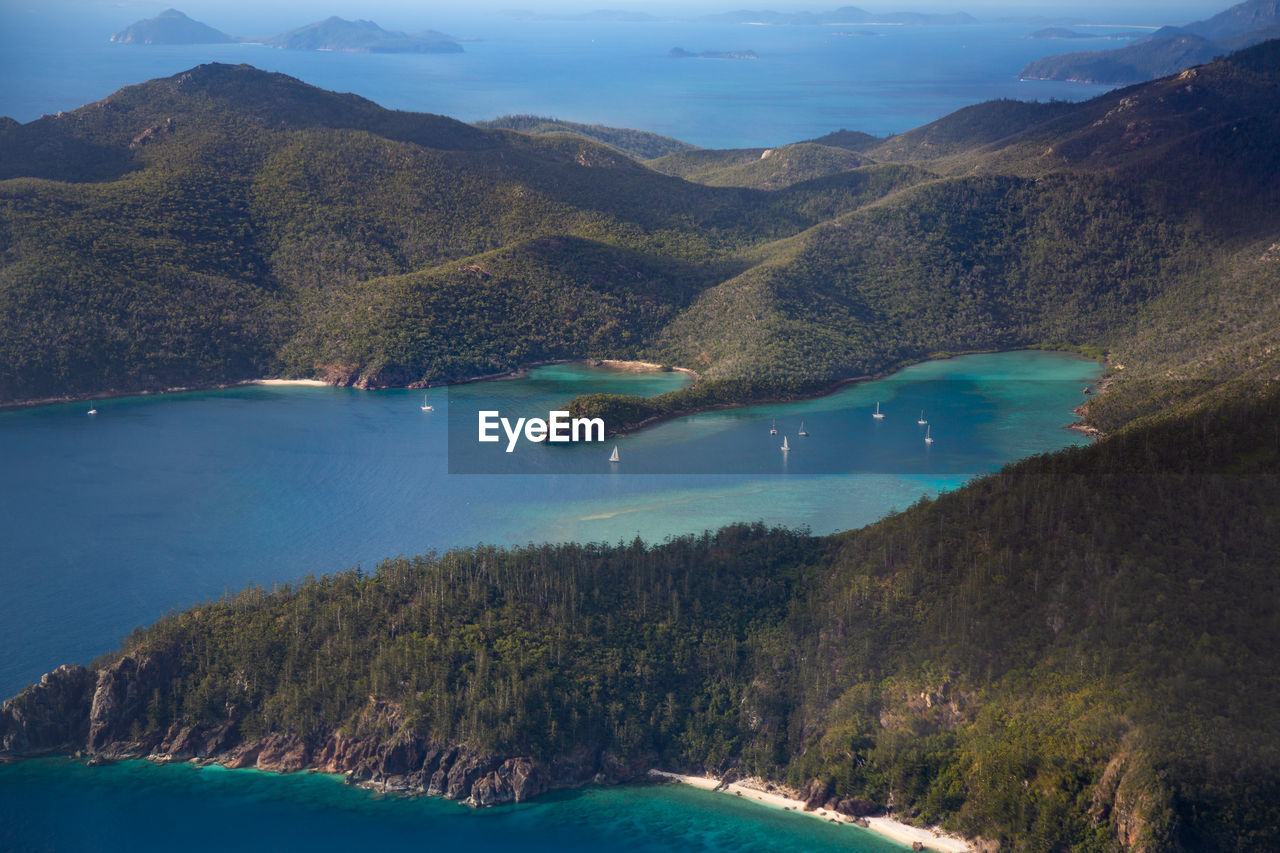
[[1166, 51]]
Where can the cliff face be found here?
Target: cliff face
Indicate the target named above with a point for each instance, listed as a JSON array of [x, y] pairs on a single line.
[[49, 716], [104, 713]]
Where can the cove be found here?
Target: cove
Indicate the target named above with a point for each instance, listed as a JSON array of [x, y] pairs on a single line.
[[59, 804], [109, 521]]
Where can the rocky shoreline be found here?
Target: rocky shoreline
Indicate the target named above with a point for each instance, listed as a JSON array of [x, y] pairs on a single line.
[[98, 716]]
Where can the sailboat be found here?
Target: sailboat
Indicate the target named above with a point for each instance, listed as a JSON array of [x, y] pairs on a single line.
[[93, 411], [785, 447], [928, 439], [773, 428], [614, 457], [877, 412], [922, 421], [802, 429], [426, 407]]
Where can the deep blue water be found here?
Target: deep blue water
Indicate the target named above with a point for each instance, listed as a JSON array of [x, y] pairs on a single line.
[[808, 80], [159, 502]]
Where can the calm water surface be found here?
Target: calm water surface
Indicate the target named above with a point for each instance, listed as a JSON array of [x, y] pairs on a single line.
[[107, 522], [133, 807]]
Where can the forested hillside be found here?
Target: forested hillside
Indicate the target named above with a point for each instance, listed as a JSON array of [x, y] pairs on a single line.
[[226, 223]]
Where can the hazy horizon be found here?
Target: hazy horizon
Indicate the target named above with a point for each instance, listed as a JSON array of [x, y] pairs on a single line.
[[245, 18]]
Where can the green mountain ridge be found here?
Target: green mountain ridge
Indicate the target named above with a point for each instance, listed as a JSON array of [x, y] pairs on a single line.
[[282, 208], [635, 143]]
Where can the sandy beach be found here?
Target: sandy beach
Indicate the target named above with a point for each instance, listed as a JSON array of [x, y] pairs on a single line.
[[286, 382], [754, 789], [639, 366]]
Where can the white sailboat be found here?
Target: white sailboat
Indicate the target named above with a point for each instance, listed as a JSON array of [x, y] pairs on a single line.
[[614, 457], [427, 407], [785, 447], [922, 421], [928, 439], [773, 428], [93, 411], [877, 411], [802, 429]]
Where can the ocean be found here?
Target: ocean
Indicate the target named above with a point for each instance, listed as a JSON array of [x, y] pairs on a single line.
[[807, 81]]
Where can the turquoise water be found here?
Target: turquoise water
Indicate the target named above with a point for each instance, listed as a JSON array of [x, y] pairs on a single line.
[[158, 502], [807, 82], [134, 807]]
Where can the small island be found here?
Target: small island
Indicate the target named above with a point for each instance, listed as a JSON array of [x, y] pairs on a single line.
[[1064, 33], [681, 53]]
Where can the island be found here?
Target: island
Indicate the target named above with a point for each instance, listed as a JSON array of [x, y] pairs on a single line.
[[334, 33], [842, 15], [331, 34], [1064, 33], [171, 27], [681, 53]]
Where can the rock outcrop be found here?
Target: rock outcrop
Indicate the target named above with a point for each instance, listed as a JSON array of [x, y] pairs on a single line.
[[50, 715], [106, 715], [1139, 807], [120, 699], [515, 780]]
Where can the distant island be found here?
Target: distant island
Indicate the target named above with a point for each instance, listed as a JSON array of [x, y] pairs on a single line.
[[612, 15], [843, 15], [333, 33], [1064, 33], [171, 27], [1166, 51], [681, 53]]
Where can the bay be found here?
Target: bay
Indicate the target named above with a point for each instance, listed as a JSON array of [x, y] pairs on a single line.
[[158, 502]]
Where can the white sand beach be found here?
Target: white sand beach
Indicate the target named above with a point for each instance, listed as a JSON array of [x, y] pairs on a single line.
[[640, 366], [286, 382], [754, 789]]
